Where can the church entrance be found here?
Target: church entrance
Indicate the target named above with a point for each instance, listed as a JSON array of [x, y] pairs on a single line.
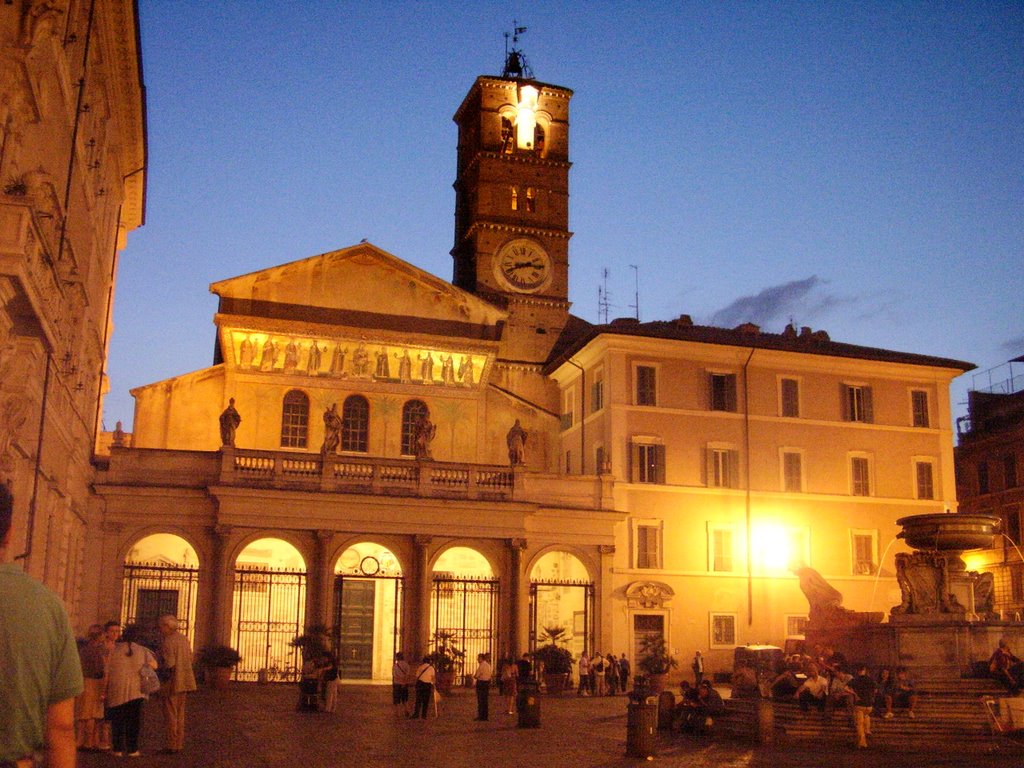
[[161, 576], [368, 594], [464, 606], [269, 605], [562, 596]]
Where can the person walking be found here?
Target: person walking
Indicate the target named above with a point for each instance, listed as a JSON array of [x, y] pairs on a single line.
[[124, 696], [400, 675], [863, 688], [482, 677], [510, 685], [178, 681], [42, 675], [425, 677]]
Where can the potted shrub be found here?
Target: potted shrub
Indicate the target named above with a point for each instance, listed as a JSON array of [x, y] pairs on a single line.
[[554, 660], [445, 657], [655, 662], [219, 661]]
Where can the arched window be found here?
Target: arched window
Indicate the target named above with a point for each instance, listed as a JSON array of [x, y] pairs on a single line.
[[507, 136], [531, 199], [515, 199], [355, 424], [412, 412], [295, 420], [538, 139]]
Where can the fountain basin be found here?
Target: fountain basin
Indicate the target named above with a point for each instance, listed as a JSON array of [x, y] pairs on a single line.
[[949, 531]]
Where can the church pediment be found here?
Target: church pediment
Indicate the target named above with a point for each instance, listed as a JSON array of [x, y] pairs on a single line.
[[343, 286]]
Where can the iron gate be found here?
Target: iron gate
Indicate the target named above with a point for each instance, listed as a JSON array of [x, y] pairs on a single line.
[[269, 610], [465, 609], [582, 628], [355, 621], [151, 590]]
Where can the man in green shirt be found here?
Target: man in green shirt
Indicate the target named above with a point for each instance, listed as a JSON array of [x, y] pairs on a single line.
[[41, 671]]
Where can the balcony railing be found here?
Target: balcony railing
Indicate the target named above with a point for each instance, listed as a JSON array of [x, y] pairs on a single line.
[[356, 474]]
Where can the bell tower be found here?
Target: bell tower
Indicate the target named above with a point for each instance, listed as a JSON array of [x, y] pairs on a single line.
[[512, 204]]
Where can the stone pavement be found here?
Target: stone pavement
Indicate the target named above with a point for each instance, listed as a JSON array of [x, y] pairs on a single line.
[[256, 726]]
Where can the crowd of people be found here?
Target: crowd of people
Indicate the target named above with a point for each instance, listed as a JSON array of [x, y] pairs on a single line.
[[602, 675]]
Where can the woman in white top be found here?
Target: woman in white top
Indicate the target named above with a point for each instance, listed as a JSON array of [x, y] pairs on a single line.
[[124, 692]]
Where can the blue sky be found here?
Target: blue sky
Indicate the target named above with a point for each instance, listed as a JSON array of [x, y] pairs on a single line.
[[854, 167]]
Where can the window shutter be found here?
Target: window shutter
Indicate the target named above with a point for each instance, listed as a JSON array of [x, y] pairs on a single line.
[[709, 467], [634, 462], [869, 411], [659, 454], [845, 394], [734, 469], [730, 392]]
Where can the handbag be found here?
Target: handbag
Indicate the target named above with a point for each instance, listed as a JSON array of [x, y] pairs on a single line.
[[149, 683]]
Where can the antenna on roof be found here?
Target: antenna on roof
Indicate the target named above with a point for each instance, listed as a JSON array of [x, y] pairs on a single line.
[[602, 298], [515, 62], [636, 290]]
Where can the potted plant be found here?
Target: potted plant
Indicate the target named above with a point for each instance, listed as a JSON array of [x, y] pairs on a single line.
[[445, 657], [655, 662], [219, 661], [554, 660]]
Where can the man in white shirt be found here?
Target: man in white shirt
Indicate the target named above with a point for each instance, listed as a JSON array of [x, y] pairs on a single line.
[[813, 690], [482, 676], [400, 674]]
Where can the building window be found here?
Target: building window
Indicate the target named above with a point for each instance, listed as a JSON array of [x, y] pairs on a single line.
[[597, 392], [531, 199], [1009, 471], [723, 467], [723, 630], [295, 420], [599, 460], [568, 409], [924, 479], [789, 397], [792, 471], [515, 199], [648, 462], [796, 625], [919, 407], [355, 424], [863, 545], [857, 403], [568, 462], [646, 385], [1013, 530], [647, 549], [507, 136], [1017, 583], [723, 391], [983, 477], [721, 549], [860, 476], [412, 412]]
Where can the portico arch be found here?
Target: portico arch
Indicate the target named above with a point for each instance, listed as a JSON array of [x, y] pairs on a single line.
[[464, 603], [161, 576], [562, 595]]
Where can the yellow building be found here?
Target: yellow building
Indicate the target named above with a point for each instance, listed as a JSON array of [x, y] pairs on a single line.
[[400, 458], [72, 183]]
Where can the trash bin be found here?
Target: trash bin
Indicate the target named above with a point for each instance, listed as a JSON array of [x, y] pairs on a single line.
[[528, 704], [666, 710], [640, 721]]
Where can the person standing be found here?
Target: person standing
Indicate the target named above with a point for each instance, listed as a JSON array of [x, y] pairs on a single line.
[[624, 672], [482, 676], [400, 674], [611, 674], [89, 706], [425, 677], [597, 674], [42, 675], [510, 684], [698, 669], [330, 678], [124, 696], [179, 681], [863, 688], [583, 689]]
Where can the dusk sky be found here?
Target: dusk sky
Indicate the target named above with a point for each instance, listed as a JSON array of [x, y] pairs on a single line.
[[853, 167]]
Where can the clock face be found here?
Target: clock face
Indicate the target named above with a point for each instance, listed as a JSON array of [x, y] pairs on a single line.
[[523, 265]]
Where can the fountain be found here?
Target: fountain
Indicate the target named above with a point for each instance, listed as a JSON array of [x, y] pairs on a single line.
[[945, 623]]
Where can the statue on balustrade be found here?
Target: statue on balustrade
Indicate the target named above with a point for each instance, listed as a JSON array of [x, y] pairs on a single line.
[[229, 421], [425, 431], [516, 439], [332, 431]]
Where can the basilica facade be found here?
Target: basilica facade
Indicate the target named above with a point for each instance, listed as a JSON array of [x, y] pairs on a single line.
[[409, 462]]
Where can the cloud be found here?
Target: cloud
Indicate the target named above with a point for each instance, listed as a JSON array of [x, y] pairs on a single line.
[[1013, 347], [801, 300]]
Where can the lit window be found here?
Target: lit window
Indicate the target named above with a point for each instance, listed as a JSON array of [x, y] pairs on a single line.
[[723, 630], [723, 467], [507, 136], [723, 391], [863, 545], [919, 407], [412, 412], [789, 397], [355, 424], [295, 420], [860, 476], [857, 402], [923, 472], [531, 199], [646, 385], [515, 199], [792, 471]]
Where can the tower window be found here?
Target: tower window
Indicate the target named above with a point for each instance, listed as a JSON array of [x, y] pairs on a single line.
[[507, 136], [515, 199], [531, 199], [295, 420], [539, 137], [355, 424]]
